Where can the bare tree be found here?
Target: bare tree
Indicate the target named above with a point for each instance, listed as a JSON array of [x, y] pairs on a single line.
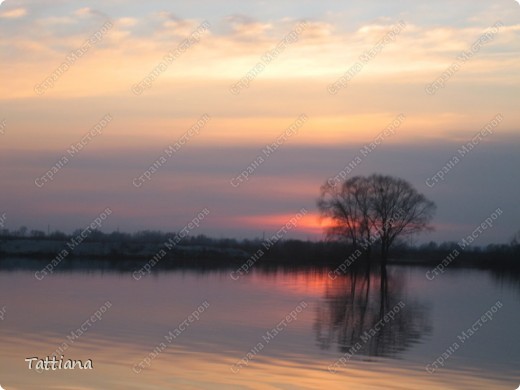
[[347, 207], [398, 210], [374, 208]]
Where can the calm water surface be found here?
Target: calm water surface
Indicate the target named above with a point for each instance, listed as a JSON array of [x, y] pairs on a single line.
[[228, 347]]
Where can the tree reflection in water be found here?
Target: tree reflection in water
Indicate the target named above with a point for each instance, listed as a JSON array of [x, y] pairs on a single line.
[[353, 307]]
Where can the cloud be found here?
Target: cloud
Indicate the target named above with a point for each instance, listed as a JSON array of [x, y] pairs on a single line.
[[289, 180], [57, 20], [180, 27], [87, 11], [246, 27], [127, 22], [14, 13], [318, 31], [83, 11], [324, 51]]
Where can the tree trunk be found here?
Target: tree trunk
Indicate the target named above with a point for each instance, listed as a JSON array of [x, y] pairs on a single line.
[[384, 253]]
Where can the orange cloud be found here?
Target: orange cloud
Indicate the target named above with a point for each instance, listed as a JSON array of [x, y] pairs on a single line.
[[14, 13]]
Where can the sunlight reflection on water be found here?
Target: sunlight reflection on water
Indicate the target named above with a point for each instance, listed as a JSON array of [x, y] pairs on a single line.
[[41, 314]]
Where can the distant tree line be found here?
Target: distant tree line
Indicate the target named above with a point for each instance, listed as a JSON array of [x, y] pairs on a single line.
[[291, 251]]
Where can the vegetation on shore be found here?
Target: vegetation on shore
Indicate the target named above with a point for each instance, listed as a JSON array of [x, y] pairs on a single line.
[[141, 246]]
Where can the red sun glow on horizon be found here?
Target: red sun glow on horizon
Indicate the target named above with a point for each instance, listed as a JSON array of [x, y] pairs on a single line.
[[310, 223]]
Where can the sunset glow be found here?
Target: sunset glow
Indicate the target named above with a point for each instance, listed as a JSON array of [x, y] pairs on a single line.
[[254, 72]]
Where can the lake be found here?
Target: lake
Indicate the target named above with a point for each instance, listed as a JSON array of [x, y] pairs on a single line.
[[276, 328]]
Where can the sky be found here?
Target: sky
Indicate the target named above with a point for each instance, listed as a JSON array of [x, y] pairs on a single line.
[[130, 80]]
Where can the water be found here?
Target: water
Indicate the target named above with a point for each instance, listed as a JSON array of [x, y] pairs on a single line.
[[334, 319]]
